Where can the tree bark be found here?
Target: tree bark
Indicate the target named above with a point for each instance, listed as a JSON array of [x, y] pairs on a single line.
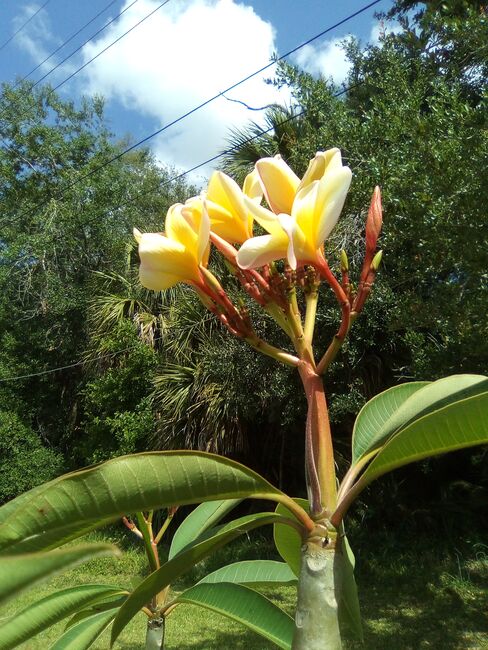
[[319, 586], [155, 634]]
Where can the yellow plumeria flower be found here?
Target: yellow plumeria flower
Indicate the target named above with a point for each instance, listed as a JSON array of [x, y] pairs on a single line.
[[176, 255], [229, 215], [303, 213]]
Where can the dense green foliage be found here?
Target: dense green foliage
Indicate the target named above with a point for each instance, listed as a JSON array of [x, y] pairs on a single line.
[[24, 461]]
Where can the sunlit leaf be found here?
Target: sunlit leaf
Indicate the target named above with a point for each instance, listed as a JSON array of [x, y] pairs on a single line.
[[181, 563], [18, 573], [83, 500], [245, 606], [198, 521], [42, 614]]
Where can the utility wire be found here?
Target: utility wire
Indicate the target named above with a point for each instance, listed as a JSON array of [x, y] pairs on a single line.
[[61, 192], [181, 175], [23, 25], [109, 355], [110, 45], [68, 40], [159, 186], [84, 43]]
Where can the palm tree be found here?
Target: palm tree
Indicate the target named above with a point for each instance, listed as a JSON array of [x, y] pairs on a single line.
[[284, 127]]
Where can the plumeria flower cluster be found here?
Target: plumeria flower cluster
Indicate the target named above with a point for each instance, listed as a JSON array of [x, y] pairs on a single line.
[[297, 215]]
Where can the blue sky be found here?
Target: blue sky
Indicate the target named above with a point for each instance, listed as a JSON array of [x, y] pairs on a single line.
[[186, 52]]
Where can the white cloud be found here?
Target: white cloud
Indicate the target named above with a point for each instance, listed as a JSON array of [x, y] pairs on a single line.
[[327, 59], [180, 57], [37, 38]]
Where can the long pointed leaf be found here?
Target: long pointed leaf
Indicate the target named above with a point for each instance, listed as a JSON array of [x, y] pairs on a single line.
[[253, 573], [83, 500], [18, 573], [203, 517], [50, 610], [370, 428], [245, 606], [287, 540], [428, 399], [82, 635], [461, 424], [349, 611], [183, 562]]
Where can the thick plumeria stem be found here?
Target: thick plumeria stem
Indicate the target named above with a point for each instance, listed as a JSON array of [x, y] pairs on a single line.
[[319, 452], [155, 634], [319, 595]]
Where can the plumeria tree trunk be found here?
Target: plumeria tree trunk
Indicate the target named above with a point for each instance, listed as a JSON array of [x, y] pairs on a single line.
[[319, 586], [155, 634]]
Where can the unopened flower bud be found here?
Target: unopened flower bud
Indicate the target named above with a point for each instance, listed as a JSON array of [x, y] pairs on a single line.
[[344, 261], [210, 279], [376, 261], [374, 221]]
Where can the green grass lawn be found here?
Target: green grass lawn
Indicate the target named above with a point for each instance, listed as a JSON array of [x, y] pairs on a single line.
[[411, 599]]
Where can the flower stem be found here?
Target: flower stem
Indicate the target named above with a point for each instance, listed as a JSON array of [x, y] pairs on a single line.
[[319, 450]]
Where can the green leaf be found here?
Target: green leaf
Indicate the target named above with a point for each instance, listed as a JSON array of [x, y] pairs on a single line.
[[463, 423], [50, 610], [157, 581], [203, 517], [84, 633], [427, 399], [287, 540], [81, 501], [100, 606], [253, 573], [18, 573], [371, 426], [245, 606], [349, 611]]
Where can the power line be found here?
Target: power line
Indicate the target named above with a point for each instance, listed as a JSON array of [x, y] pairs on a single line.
[[110, 45], [61, 192], [84, 43], [181, 175], [23, 25], [71, 365], [68, 40], [159, 186]]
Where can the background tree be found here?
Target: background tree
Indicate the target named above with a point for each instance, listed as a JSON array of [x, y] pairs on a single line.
[[64, 217]]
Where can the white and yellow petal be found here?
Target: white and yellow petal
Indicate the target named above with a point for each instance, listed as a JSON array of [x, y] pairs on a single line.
[[279, 183], [331, 195], [258, 251], [252, 187], [318, 165], [164, 262]]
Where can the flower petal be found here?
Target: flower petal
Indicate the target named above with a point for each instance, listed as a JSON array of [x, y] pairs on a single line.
[[317, 166], [267, 219], [279, 183], [164, 262], [203, 235], [178, 226], [304, 207], [252, 187], [332, 193], [288, 224], [258, 251], [222, 189]]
